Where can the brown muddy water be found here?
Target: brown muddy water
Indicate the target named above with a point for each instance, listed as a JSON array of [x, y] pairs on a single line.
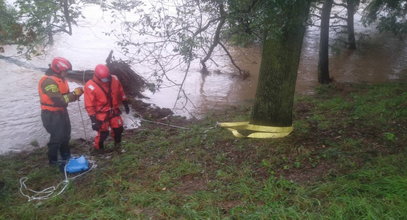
[[379, 58]]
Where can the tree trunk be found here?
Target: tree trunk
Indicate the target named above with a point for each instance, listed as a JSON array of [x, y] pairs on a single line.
[[50, 34], [323, 63], [351, 6], [278, 70], [67, 16]]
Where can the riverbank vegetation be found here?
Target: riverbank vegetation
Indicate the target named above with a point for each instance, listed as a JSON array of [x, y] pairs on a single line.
[[346, 159]]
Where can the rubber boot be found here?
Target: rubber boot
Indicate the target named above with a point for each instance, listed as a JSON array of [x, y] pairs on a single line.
[[61, 165], [118, 147]]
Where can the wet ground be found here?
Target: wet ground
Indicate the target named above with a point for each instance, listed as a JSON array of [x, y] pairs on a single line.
[[379, 58]]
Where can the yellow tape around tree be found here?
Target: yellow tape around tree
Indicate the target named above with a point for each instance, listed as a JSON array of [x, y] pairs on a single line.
[[259, 131]]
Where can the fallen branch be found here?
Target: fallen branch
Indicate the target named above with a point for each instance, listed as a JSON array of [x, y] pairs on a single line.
[[133, 86]]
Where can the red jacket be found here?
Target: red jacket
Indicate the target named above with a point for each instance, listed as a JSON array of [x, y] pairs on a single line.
[[103, 99]]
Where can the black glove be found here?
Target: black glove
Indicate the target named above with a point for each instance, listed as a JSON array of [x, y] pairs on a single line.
[[96, 124], [126, 107]]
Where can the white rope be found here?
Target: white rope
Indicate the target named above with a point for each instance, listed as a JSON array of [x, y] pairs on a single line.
[[160, 123], [43, 194], [83, 122], [80, 111], [50, 192]]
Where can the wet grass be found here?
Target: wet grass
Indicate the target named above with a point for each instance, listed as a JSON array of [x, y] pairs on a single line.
[[345, 160]]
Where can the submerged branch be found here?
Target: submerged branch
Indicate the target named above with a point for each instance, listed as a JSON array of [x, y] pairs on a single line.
[[242, 73], [216, 37], [183, 81]]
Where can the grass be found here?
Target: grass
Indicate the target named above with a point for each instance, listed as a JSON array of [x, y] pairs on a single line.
[[346, 159]]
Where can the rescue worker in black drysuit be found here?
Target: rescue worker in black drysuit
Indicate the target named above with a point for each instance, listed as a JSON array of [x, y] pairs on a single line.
[[54, 95]]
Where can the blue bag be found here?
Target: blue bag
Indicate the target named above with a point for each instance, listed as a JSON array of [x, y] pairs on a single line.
[[77, 164]]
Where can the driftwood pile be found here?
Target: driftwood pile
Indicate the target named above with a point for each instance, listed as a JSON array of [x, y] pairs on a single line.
[[132, 83], [133, 86]]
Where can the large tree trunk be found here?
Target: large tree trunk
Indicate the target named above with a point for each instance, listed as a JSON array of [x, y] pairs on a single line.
[[278, 70], [351, 6], [323, 63]]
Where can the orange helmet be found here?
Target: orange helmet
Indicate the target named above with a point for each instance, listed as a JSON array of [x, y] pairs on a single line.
[[60, 64], [102, 72]]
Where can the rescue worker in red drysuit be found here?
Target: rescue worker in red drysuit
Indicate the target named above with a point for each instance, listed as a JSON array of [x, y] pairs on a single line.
[[103, 96], [54, 95]]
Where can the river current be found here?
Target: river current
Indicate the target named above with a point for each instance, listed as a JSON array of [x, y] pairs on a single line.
[[379, 58]]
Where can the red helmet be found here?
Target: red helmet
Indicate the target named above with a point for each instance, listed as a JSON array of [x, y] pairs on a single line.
[[60, 64], [102, 72]]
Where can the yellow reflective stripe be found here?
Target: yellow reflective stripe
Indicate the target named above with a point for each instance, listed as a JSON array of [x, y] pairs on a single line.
[[52, 88], [66, 98], [261, 131]]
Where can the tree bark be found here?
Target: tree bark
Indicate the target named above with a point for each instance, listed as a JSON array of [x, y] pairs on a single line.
[[351, 6], [67, 16], [323, 63], [50, 34], [278, 69]]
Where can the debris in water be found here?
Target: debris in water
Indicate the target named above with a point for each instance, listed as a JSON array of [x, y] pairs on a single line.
[[133, 85]]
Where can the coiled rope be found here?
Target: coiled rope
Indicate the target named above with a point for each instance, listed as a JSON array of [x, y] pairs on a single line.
[[50, 192]]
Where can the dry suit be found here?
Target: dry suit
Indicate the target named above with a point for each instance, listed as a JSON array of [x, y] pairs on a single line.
[[54, 98], [102, 101]]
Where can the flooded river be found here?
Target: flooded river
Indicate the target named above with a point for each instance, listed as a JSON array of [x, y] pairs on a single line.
[[380, 58]]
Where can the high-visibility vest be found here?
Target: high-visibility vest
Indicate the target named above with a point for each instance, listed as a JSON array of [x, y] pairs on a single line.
[[46, 101]]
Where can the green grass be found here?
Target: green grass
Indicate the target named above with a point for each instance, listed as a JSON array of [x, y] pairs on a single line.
[[346, 159], [377, 191]]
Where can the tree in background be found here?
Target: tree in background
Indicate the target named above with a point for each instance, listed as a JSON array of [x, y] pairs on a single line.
[[390, 15], [324, 15], [33, 23], [245, 22], [192, 29], [9, 28], [165, 35], [351, 8], [323, 61]]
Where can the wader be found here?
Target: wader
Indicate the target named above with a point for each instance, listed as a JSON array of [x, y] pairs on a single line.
[[58, 126]]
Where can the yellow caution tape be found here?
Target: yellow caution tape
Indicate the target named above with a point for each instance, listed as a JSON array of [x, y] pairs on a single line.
[[259, 131]]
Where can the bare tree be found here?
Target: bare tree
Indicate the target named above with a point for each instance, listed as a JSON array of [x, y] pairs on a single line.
[[323, 62], [170, 35]]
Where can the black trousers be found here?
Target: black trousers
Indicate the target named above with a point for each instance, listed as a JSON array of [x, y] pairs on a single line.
[[58, 125]]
